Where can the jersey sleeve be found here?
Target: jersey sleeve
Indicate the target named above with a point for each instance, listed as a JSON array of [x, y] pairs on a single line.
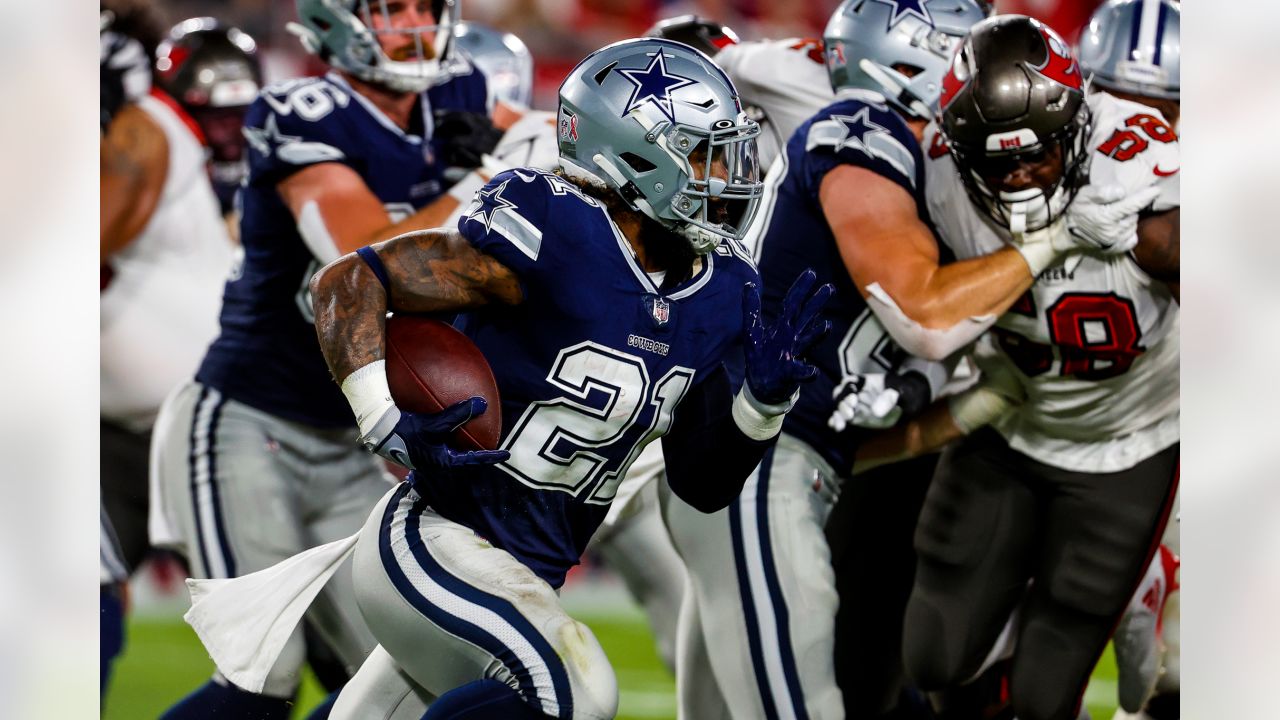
[[506, 219], [1135, 149], [863, 135], [294, 125]]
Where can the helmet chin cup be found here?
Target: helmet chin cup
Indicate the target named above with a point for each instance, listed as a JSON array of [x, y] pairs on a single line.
[[716, 186]]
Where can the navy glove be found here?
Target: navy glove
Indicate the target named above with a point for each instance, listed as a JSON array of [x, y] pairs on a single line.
[[418, 440], [773, 353]]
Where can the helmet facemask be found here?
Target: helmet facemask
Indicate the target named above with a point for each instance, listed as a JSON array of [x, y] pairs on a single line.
[[683, 155], [347, 34], [1033, 208], [723, 186]]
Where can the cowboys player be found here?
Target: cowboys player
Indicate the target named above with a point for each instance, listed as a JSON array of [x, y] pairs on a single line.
[[1073, 485], [606, 299], [846, 183], [1132, 50], [257, 458]]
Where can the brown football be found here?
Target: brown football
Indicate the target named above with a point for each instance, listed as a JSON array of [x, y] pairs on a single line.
[[431, 366]]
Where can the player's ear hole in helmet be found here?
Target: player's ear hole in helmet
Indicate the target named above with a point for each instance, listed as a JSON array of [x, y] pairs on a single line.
[[1015, 120], [403, 45], [901, 53], [659, 123]]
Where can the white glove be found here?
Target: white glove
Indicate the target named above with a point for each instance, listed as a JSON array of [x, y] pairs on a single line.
[[864, 401], [1105, 218]]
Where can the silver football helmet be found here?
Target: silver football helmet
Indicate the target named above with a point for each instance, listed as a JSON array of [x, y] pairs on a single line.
[[344, 34], [1135, 46], [502, 57], [662, 125], [870, 42]]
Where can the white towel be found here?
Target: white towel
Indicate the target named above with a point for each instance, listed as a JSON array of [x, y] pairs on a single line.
[[244, 622]]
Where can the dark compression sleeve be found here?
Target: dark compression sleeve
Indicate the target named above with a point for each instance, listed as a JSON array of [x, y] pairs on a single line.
[[708, 457]]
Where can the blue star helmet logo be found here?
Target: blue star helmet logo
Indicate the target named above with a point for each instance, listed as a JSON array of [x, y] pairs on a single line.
[[496, 203], [654, 84], [906, 8]]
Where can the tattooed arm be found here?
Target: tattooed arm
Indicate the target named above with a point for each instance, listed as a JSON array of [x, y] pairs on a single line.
[[133, 164], [1159, 248], [428, 271]]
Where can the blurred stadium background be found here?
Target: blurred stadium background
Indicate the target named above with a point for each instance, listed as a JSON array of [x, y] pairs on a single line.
[[162, 659]]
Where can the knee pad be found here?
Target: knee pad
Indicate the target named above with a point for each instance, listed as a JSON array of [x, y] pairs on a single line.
[[594, 685], [931, 651]]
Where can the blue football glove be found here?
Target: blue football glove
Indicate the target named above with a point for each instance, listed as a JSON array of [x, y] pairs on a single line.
[[774, 353], [418, 441]]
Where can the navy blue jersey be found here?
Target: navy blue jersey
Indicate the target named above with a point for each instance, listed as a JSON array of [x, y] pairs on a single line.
[[590, 366], [858, 129], [267, 355]]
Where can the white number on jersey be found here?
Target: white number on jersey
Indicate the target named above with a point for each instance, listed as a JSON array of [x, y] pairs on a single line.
[[554, 444]]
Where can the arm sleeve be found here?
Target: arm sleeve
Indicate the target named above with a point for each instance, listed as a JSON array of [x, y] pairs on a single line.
[[708, 457]]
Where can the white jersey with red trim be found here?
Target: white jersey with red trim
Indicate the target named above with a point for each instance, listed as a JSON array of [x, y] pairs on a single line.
[[782, 82], [1094, 342], [160, 309]]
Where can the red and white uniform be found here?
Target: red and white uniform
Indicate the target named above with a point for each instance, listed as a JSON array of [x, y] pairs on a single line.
[[1094, 343], [785, 79], [160, 309]]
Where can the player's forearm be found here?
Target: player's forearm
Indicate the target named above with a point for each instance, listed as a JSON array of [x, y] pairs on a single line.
[[927, 433], [350, 308], [709, 454], [932, 312]]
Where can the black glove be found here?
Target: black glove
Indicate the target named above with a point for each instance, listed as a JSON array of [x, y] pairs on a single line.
[[125, 74], [465, 137]]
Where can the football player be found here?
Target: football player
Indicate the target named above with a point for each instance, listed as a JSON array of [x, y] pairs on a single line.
[[847, 182], [607, 328], [1133, 50], [257, 458], [1072, 486], [164, 254], [783, 81], [213, 72]]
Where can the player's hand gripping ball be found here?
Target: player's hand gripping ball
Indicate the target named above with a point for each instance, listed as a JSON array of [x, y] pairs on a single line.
[[446, 397]]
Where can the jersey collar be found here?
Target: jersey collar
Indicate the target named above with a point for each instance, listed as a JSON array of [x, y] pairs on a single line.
[[704, 266], [380, 116]]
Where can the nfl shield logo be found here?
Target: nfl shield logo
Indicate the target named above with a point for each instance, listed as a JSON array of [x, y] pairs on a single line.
[[660, 309]]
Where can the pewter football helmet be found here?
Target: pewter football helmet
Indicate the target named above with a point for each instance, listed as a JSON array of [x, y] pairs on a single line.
[[1135, 46], [1013, 92], [342, 33], [502, 57], [866, 39], [637, 115]]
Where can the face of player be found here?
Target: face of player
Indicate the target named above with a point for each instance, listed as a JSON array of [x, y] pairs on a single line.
[[720, 210], [1039, 168], [222, 129], [390, 19]]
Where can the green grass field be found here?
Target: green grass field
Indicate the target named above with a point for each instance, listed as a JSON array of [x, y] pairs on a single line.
[[163, 660]]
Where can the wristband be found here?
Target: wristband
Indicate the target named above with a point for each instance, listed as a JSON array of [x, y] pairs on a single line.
[[370, 396], [757, 420], [374, 262], [1039, 255]]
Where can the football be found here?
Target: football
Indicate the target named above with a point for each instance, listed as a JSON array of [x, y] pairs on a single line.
[[431, 366]]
